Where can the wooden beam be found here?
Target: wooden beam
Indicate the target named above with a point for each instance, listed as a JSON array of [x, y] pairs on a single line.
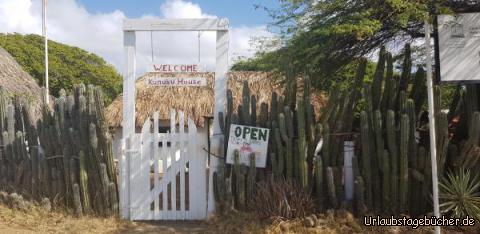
[[208, 24]]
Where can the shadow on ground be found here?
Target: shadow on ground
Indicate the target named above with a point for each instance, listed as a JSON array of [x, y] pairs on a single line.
[[164, 227]]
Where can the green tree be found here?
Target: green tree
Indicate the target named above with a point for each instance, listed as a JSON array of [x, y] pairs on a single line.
[[324, 37], [68, 65]]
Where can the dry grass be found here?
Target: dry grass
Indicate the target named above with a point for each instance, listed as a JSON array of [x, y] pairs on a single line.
[[37, 220], [283, 199]]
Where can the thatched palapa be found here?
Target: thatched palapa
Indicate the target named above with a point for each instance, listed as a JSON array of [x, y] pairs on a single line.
[[19, 83], [196, 102]]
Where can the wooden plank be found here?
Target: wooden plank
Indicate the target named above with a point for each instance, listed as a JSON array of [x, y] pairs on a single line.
[[164, 182], [173, 166], [206, 24], [181, 163], [135, 178], [156, 185]]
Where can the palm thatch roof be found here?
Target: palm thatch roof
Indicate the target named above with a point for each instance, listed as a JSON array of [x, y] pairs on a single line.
[[196, 102], [18, 82]]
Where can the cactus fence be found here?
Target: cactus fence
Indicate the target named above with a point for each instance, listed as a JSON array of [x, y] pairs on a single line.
[[65, 156], [385, 116]]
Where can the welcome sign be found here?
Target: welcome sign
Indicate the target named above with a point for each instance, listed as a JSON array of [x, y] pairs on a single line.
[[248, 140], [164, 68]]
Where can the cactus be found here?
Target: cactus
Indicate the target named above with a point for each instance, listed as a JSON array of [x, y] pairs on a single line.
[[386, 180], [367, 152], [222, 190], [443, 140], [392, 149], [251, 175], [418, 93], [359, 187], [406, 68], [404, 140], [76, 200], [389, 90], [377, 161], [319, 182], [239, 181], [378, 79], [412, 145], [253, 110], [468, 155], [288, 143], [84, 183], [105, 194], [278, 157], [302, 144], [332, 196]]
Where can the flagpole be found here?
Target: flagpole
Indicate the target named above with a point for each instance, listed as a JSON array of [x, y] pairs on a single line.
[[431, 115], [44, 32]]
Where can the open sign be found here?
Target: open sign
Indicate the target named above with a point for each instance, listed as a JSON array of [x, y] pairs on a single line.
[[248, 140]]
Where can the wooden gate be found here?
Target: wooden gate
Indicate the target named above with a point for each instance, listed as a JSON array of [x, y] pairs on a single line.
[[165, 172]]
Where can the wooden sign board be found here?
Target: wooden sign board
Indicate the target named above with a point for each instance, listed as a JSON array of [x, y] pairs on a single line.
[[248, 140], [459, 43], [176, 81]]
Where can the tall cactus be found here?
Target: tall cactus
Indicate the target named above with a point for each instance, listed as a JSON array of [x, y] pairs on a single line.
[[251, 175], [319, 182], [404, 140], [302, 144], [84, 183], [392, 149], [367, 152], [406, 69], [239, 181], [378, 79]]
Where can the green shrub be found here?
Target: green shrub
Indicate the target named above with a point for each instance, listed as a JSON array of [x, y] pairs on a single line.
[[459, 194]]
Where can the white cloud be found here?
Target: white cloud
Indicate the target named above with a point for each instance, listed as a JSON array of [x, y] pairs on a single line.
[[101, 33]]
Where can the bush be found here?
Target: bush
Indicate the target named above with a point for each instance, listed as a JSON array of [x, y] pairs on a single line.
[[281, 199], [459, 194]]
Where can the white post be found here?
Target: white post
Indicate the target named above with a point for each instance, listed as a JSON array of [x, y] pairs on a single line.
[[128, 122], [44, 32], [431, 115], [221, 82]]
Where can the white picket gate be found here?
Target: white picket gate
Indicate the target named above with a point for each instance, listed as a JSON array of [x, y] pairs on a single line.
[[165, 175]]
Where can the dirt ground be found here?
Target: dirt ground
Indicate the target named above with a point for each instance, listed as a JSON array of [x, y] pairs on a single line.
[[37, 220]]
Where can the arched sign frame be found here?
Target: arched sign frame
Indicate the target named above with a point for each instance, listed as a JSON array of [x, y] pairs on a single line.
[[130, 27]]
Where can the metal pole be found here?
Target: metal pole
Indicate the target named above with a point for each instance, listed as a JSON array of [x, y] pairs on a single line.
[[431, 115], [44, 31]]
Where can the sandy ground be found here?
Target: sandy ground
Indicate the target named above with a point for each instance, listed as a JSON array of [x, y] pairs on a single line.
[[37, 220]]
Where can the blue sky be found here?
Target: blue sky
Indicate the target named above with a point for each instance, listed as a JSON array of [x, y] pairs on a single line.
[[96, 26], [239, 12]]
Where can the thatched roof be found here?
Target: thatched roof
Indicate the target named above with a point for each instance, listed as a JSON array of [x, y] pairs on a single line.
[[196, 102], [17, 82]]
